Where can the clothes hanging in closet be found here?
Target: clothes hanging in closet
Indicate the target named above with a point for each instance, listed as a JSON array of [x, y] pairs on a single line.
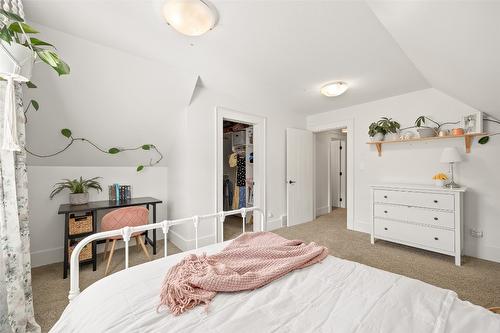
[[241, 172], [228, 194], [242, 197]]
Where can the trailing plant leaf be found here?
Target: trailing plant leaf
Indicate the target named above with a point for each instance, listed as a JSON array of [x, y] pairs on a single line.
[[38, 42], [62, 68], [35, 104], [146, 147], [16, 27], [140, 168], [30, 84], [5, 35], [419, 121], [49, 57], [113, 150], [484, 140], [66, 132], [11, 16]]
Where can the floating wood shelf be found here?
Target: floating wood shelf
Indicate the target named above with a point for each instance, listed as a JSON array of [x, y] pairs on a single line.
[[467, 138]]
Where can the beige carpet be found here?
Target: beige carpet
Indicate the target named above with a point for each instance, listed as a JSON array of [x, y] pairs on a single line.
[[476, 280], [233, 227]]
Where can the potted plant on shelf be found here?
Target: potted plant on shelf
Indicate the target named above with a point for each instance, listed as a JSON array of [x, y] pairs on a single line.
[[78, 188], [391, 128], [376, 132], [429, 131]]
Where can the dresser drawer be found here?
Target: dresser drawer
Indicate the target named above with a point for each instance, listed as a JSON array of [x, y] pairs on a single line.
[[431, 217], [392, 212], [418, 199], [416, 235]]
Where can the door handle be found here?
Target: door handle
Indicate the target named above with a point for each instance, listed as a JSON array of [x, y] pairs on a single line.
[[291, 182]]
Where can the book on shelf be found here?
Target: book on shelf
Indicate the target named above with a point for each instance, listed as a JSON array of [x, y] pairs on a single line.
[[119, 192]]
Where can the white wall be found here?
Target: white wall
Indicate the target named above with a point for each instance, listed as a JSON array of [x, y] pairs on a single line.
[[192, 162], [47, 228], [418, 162]]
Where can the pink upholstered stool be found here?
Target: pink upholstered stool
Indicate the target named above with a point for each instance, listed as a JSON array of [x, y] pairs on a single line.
[[120, 218]]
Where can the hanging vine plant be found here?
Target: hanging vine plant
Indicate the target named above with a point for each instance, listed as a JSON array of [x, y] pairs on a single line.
[[66, 132], [16, 33], [485, 139]]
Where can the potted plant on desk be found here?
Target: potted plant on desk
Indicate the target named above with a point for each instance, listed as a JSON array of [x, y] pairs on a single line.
[[79, 194]]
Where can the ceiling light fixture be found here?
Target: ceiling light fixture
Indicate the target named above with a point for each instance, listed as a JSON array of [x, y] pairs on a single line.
[[190, 17], [333, 89]]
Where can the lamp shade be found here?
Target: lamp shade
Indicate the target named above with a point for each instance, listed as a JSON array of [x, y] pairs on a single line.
[[450, 155]]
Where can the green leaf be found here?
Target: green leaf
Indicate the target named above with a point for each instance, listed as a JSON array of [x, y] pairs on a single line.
[[484, 140], [140, 168], [5, 35], [35, 104], [48, 57], [62, 68], [16, 27], [66, 132], [11, 16], [146, 147], [30, 84], [113, 150], [36, 41]]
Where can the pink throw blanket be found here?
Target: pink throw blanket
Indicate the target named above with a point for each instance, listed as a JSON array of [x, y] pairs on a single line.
[[251, 261]]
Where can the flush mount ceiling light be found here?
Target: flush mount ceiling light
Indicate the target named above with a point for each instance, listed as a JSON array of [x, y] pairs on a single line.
[[190, 17], [333, 89]]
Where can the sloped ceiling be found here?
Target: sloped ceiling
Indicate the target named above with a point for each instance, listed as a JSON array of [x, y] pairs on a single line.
[[281, 52], [454, 44]]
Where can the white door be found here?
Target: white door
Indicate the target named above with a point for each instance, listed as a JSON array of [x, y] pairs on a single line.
[[338, 173], [299, 173], [342, 174]]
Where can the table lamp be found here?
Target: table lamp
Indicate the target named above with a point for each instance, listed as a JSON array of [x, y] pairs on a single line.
[[451, 155]]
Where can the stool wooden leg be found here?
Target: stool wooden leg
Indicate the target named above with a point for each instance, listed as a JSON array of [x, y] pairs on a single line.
[[106, 249], [110, 256], [144, 249], [137, 240]]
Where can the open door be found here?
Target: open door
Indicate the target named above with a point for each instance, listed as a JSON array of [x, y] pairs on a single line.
[[299, 173]]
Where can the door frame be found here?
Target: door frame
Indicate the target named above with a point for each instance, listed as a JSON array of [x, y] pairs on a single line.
[[349, 124], [259, 150]]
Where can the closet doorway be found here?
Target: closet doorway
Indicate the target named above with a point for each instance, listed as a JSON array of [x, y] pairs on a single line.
[[331, 172], [241, 176], [237, 184]]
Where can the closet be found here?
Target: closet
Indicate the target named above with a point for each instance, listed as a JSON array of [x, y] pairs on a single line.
[[238, 181]]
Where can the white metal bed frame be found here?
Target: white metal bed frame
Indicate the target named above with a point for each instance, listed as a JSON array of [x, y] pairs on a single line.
[[126, 233]]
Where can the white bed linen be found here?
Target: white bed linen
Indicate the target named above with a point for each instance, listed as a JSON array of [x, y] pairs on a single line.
[[333, 296]]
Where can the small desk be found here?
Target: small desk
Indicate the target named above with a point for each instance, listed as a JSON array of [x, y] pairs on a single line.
[[93, 207]]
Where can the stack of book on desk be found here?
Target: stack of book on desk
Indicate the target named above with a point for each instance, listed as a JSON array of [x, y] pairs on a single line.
[[119, 192]]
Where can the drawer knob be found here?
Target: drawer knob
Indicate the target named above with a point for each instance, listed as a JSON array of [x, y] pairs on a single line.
[[435, 201], [435, 219], [385, 196], [386, 229], [385, 211], [436, 238]]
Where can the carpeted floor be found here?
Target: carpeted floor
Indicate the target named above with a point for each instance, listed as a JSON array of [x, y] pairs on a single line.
[[476, 280]]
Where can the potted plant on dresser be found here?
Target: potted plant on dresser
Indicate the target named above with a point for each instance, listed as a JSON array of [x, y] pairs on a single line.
[[78, 188]]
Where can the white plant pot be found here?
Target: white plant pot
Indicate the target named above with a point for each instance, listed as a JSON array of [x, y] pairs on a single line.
[[20, 69], [377, 137], [439, 182], [78, 198], [392, 137]]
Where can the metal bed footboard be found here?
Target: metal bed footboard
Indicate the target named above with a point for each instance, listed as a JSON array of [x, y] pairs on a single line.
[[164, 225]]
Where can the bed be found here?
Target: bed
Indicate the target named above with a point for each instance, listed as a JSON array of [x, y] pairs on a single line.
[[335, 295]]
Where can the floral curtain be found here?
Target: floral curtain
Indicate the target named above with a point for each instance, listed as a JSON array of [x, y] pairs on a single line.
[[16, 299]]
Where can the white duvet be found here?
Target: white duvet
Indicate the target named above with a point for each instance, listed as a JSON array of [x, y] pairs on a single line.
[[333, 296]]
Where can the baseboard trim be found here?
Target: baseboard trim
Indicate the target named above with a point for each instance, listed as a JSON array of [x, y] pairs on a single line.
[[323, 210], [185, 244], [491, 253], [275, 224], [55, 255]]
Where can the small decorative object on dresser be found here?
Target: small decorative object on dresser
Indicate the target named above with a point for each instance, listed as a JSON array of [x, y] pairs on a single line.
[[420, 216], [439, 179], [450, 155]]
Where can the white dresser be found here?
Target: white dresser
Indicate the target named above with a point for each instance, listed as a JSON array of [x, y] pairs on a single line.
[[426, 217]]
